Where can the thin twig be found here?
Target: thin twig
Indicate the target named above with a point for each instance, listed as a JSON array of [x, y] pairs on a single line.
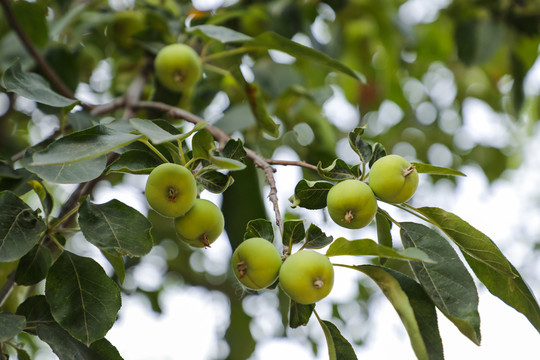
[[222, 137], [47, 70], [292, 162]]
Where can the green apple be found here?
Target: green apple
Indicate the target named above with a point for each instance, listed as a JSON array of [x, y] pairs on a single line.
[[178, 67], [201, 225], [351, 204], [124, 25], [306, 276], [171, 189], [393, 179], [256, 263]]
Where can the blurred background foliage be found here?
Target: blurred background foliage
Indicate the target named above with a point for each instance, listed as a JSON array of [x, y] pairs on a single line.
[[428, 64]]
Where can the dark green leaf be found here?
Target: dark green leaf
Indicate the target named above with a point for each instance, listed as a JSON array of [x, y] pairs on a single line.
[[220, 33], [293, 232], [436, 170], [378, 151], [447, 282], [362, 148], [33, 267], [384, 236], [32, 18], [470, 240], [23, 355], [368, 247], [260, 228], [116, 228], [214, 181], [316, 238], [74, 173], [117, 263], [234, 149], [299, 314], [20, 227], [310, 194], [271, 40], [135, 162], [33, 87], [338, 170], [83, 145], [338, 347], [83, 299], [414, 308], [478, 39], [81, 120], [18, 183], [36, 310], [10, 325]]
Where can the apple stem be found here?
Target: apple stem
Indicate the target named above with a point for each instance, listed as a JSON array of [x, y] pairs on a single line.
[[318, 283], [408, 171], [242, 268], [349, 216]]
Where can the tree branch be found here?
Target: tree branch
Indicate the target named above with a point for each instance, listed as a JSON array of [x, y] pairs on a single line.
[[47, 70], [222, 137], [292, 162]]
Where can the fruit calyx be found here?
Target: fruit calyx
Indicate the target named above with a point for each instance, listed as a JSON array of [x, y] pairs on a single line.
[[349, 216], [242, 268], [204, 240], [318, 283], [408, 171], [178, 77], [172, 194]]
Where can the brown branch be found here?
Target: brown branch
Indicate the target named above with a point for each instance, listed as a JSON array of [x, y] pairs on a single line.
[[222, 137], [292, 162], [47, 70]]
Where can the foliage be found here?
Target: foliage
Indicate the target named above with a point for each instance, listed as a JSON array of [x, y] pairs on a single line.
[[279, 64]]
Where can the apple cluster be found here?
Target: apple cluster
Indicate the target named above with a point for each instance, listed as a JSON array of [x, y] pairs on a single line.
[[308, 276], [171, 190]]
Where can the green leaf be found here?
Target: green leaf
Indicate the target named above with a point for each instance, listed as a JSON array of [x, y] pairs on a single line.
[[135, 162], [362, 148], [470, 240], [74, 173], [299, 314], [10, 325], [32, 86], [117, 263], [44, 196], [293, 232], [32, 18], [18, 184], [368, 247], [83, 145], [271, 40], [226, 163], [214, 181], [338, 170], [413, 306], [33, 267], [258, 105], [260, 228], [116, 228], [83, 299], [203, 144], [436, 170], [220, 33], [384, 236], [316, 238], [158, 134], [310, 194], [378, 151], [338, 347], [20, 227], [234, 149], [447, 282]]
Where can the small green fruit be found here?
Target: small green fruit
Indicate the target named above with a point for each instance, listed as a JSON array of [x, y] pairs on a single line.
[[201, 225], [351, 204], [306, 276], [171, 190], [256, 263], [393, 179], [178, 67]]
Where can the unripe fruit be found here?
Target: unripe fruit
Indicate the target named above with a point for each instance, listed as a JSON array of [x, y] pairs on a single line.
[[306, 276], [178, 67], [256, 263], [126, 24], [201, 225], [171, 189], [393, 179], [351, 204]]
